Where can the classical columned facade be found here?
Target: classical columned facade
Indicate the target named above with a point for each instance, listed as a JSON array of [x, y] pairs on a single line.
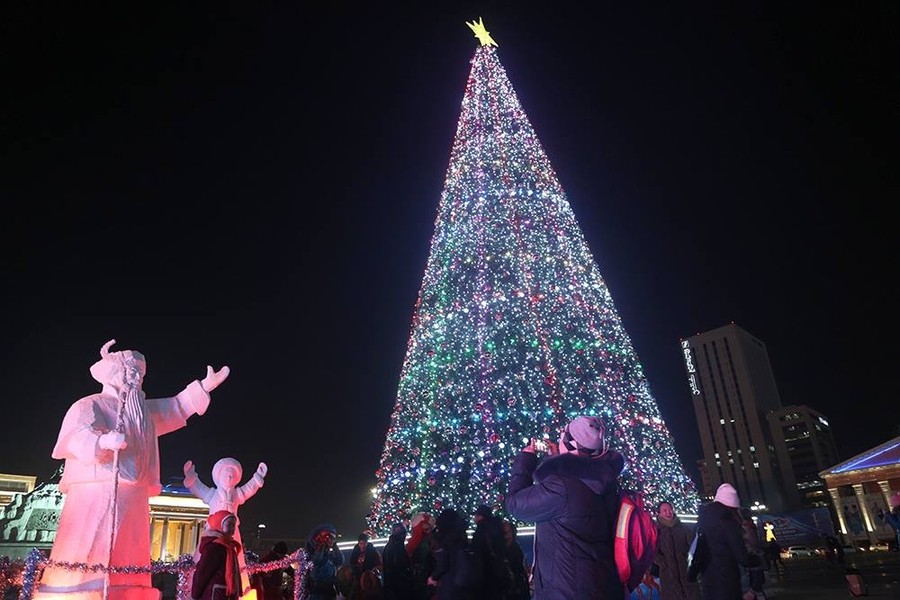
[[176, 524], [177, 520], [863, 486]]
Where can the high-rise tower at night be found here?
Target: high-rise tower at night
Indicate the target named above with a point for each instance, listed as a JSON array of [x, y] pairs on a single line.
[[804, 445], [514, 332], [733, 388]]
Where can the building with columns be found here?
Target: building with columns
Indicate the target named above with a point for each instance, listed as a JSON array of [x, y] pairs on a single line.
[[12, 486], [861, 487], [177, 519]]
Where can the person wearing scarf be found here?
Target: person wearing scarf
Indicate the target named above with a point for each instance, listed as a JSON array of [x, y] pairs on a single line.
[[673, 539], [218, 573]]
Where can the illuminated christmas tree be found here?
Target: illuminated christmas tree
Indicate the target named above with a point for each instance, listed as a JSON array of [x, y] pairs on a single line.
[[514, 331]]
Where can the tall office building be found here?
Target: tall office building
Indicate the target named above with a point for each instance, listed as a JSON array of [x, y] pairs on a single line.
[[803, 440], [733, 389]]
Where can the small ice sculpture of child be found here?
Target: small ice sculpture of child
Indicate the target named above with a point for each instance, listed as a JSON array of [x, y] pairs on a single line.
[[227, 495]]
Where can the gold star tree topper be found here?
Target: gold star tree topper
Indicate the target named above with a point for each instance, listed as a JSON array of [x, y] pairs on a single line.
[[483, 35]]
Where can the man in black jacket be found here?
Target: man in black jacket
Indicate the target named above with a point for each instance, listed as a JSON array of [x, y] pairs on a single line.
[[572, 497]]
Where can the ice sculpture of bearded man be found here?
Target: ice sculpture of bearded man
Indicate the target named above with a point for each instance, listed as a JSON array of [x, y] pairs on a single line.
[[110, 444]]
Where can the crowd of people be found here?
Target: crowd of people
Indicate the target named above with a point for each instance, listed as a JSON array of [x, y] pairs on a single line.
[[569, 489], [571, 495], [427, 558], [432, 558]]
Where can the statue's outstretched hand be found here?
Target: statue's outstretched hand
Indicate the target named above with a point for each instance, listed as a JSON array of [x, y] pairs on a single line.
[[190, 474], [214, 378], [262, 469]]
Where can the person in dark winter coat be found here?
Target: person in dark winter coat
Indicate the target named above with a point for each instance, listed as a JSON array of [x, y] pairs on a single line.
[[721, 525], [218, 573], [421, 556], [521, 586], [364, 557], [269, 584], [396, 566], [673, 540], [572, 496], [755, 575], [326, 558], [490, 547], [450, 542]]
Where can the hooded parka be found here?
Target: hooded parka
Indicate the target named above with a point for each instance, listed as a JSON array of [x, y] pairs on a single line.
[[573, 501]]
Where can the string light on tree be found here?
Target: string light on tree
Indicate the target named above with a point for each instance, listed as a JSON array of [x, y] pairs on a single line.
[[514, 331]]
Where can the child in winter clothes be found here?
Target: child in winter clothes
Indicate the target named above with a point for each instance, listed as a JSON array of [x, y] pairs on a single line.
[[326, 558], [227, 495], [218, 574]]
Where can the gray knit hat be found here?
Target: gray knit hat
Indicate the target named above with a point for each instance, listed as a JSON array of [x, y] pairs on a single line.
[[586, 434]]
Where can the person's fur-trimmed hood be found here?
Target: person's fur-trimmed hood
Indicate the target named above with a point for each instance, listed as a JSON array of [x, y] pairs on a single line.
[[596, 473]]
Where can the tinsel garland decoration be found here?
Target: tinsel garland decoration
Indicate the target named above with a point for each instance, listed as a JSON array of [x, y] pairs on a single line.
[[10, 573], [297, 558], [181, 567], [29, 576], [183, 588], [303, 568], [26, 575]]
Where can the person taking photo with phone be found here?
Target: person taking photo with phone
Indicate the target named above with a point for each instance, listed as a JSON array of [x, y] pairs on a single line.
[[572, 496]]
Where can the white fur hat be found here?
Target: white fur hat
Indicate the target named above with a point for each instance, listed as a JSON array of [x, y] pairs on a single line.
[[727, 495]]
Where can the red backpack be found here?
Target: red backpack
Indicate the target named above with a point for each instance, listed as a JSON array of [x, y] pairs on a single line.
[[635, 543]]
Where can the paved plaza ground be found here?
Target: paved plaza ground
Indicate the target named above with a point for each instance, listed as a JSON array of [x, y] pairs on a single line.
[[808, 578]]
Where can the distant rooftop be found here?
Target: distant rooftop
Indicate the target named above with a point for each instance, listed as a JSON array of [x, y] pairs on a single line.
[[885, 455]]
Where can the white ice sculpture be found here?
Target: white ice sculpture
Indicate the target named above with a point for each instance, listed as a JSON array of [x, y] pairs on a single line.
[[110, 444], [227, 495]]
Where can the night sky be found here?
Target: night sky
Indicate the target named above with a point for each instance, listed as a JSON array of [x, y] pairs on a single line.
[[254, 184]]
